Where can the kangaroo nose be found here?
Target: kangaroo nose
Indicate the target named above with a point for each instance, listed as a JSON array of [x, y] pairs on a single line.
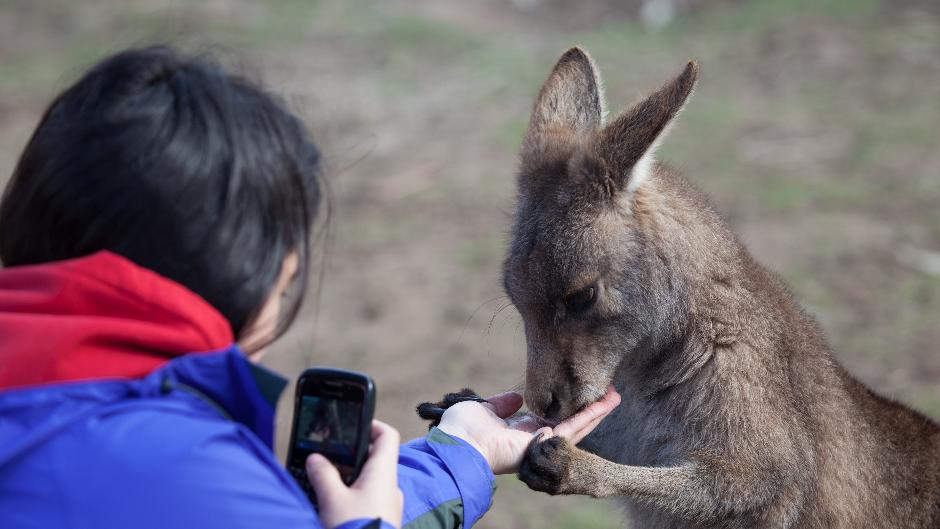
[[553, 407]]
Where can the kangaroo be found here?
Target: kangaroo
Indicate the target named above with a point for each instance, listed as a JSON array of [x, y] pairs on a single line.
[[735, 413]]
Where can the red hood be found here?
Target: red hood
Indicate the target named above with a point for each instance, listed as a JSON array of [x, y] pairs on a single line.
[[99, 316]]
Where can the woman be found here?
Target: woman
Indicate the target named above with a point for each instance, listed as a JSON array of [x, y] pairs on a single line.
[[155, 237]]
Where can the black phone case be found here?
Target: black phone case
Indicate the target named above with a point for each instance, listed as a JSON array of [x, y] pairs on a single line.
[[365, 422]]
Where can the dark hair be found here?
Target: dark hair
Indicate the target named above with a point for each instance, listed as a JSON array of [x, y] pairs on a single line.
[[176, 165]]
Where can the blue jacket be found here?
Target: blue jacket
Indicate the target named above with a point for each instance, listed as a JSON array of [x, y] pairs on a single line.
[[149, 452]]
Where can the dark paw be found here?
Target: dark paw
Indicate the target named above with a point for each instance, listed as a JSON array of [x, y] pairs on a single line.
[[545, 465], [433, 411]]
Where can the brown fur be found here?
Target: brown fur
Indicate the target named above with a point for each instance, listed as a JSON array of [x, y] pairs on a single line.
[[735, 413]]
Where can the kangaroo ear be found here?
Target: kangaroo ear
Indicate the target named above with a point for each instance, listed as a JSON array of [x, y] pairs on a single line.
[[571, 100], [628, 143]]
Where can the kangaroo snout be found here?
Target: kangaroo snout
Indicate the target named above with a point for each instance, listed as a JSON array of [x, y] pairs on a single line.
[[549, 382], [545, 403], [555, 393]]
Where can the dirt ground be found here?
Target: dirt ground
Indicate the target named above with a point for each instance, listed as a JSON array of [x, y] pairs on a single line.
[[814, 128]]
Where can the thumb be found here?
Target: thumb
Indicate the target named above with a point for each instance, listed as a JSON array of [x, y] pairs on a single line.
[[506, 404], [325, 478]]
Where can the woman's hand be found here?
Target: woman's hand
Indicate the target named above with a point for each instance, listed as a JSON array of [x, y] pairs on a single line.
[[502, 438], [375, 494]]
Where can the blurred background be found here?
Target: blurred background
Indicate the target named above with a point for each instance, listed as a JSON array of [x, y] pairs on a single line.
[[814, 128]]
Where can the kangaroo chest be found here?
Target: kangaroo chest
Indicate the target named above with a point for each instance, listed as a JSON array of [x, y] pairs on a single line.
[[636, 433]]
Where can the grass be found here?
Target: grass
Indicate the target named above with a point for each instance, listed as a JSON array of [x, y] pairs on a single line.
[[48, 72], [587, 515], [917, 302], [386, 231], [909, 309], [718, 26], [273, 24], [509, 135], [390, 31], [481, 252], [711, 126], [411, 32], [564, 512], [926, 401]]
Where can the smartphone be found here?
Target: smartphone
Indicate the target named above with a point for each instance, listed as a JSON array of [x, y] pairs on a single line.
[[333, 411]]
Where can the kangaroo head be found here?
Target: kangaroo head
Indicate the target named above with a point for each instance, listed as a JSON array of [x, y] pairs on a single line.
[[580, 268]]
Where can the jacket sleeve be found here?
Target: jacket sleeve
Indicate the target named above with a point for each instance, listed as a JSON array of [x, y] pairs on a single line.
[[447, 484]]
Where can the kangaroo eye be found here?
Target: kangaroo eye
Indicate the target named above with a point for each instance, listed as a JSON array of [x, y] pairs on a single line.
[[580, 300]]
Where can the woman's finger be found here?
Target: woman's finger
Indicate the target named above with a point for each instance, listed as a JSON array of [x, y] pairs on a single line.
[[385, 441], [505, 404], [324, 478], [583, 432], [383, 455], [579, 421]]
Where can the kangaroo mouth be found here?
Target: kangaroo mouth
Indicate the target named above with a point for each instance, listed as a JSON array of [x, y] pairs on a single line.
[[587, 397], [537, 420], [530, 421]]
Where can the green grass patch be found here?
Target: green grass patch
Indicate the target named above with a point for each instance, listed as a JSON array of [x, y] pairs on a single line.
[[912, 307], [416, 32], [926, 401], [482, 252], [710, 28], [917, 299], [49, 72], [809, 290], [274, 23], [509, 135], [278, 22], [395, 29], [590, 514], [386, 231], [561, 512]]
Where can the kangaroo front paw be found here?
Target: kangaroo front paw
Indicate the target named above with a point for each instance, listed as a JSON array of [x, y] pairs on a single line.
[[545, 466]]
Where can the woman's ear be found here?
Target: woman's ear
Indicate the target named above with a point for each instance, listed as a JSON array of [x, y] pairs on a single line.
[[259, 332], [288, 271]]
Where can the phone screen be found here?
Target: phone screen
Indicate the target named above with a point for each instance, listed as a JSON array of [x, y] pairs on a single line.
[[333, 412], [329, 426]]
